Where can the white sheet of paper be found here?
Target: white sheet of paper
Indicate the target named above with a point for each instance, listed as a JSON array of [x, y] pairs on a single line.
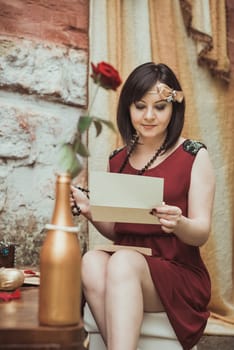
[[118, 197]]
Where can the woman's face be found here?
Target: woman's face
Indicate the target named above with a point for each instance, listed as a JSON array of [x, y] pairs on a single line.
[[150, 116]]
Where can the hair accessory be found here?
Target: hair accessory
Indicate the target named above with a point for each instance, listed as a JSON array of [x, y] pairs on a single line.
[[167, 94]]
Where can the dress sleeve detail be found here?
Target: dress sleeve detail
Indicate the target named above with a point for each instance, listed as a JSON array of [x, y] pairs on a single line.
[[193, 146]]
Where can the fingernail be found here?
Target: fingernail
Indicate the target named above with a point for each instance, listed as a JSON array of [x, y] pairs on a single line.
[[153, 211]]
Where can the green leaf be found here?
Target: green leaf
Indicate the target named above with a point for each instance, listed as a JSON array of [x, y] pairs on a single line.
[[84, 123], [108, 123], [69, 161], [76, 142], [98, 127], [76, 168], [82, 150]]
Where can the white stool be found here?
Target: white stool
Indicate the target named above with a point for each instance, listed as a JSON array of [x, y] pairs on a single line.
[[156, 333]]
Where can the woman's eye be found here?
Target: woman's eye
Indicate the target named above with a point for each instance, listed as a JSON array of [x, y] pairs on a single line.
[[139, 106], [160, 107]]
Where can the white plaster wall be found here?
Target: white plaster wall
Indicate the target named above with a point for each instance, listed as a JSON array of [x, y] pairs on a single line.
[[43, 91]]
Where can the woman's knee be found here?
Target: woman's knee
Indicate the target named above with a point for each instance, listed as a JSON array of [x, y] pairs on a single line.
[[123, 265], [93, 267]]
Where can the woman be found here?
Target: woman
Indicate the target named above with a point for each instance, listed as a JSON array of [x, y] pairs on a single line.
[[119, 287]]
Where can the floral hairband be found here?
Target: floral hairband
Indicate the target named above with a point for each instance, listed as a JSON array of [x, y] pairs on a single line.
[[168, 94]]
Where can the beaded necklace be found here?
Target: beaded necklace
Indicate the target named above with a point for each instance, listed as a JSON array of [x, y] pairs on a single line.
[[76, 211], [150, 162]]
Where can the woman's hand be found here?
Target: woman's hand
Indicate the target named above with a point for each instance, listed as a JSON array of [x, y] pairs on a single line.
[[169, 217], [79, 198]]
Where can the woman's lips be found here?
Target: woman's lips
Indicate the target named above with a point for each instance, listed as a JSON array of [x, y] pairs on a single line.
[[148, 127]]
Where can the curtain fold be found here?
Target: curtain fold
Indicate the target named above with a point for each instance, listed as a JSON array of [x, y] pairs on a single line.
[[206, 23], [191, 37]]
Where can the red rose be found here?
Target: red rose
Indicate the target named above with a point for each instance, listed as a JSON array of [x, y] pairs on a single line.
[[105, 75]]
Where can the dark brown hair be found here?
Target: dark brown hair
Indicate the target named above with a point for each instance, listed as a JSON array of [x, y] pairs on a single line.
[[141, 80]]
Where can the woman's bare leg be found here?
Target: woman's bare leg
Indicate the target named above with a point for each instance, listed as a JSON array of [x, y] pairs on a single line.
[[129, 292], [93, 274]]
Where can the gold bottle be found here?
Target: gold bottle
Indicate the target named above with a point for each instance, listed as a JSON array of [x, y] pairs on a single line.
[[60, 258]]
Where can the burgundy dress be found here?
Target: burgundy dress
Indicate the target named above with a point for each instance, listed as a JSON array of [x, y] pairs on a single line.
[[177, 270]]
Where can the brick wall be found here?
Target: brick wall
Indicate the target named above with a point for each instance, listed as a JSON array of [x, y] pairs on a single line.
[[43, 91]]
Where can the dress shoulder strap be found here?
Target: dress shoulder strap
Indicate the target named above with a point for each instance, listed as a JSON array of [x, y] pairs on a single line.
[[193, 146]]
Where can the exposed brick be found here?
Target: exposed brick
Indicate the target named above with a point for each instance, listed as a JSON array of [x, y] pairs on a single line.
[[64, 21]]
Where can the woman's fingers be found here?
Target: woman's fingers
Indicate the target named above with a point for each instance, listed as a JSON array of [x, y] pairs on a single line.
[[169, 216]]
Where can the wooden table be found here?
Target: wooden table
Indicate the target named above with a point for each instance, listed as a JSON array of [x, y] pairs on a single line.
[[19, 327]]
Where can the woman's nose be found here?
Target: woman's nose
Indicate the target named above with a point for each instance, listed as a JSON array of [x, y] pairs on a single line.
[[149, 114]]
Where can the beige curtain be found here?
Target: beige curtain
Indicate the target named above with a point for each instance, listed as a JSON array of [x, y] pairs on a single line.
[[189, 36]]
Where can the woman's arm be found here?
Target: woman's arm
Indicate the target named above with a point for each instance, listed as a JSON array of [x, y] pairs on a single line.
[[105, 228], [195, 228]]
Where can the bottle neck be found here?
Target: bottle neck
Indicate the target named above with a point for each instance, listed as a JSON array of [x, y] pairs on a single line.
[[62, 210]]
